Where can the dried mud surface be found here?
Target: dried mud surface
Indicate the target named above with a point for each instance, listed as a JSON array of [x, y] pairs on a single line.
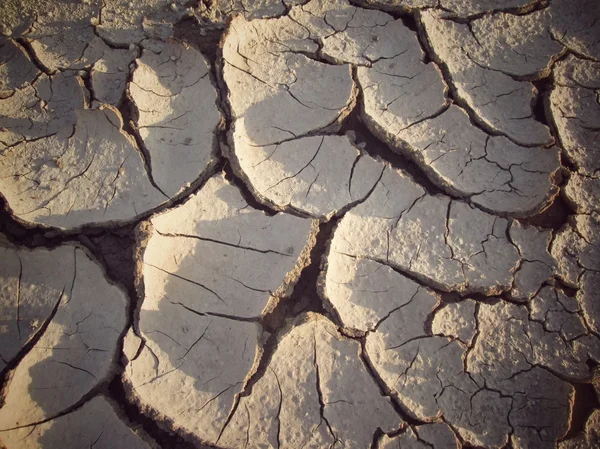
[[300, 224]]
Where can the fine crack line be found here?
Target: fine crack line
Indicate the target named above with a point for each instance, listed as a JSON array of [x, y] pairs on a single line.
[[221, 242], [38, 335], [73, 367], [187, 280], [279, 408], [197, 340], [217, 314], [303, 168], [19, 295], [320, 392]]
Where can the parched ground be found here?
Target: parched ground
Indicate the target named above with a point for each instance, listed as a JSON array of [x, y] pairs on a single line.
[[297, 224]]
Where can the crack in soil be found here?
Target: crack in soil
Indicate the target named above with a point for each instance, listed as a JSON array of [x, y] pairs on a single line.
[[114, 246]]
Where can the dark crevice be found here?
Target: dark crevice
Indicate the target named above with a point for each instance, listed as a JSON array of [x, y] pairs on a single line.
[[554, 217], [384, 390], [245, 191], [34, 235], [354, 125], [24, 43], [566, 162], [115, 250], [533, 6], [234, 179], [397, 9], [557, 214], [29, 236], [112, 247], [95, 391], [422, 280], [305, 297], [106, 41], [205, 39], [130, 115], [540, 107], [394, 9], [208, 41], [409, 21], [376, 437], [165, 439], [466, 445], [584, 403], [268, 350], [567, 290], [87, 82]]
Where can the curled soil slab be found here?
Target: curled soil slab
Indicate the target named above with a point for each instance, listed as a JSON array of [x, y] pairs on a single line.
[[577, 31], [292, 176], [43, 106], [339, 405], [500, 103], [577, 248], [210, 269], [64, 320], [454, 8], [576, 114], [447, 244], [62, 37], [67, 166], [95, 425], [177, 114], [300, 224], [95, 175], [497, 42], [437, 436], [16, 68], [460, 365], [400, 93]]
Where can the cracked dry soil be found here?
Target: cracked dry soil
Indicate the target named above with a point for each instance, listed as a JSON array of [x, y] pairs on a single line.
[[300, 224]]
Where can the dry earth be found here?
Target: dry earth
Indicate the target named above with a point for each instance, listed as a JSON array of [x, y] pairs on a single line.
[[300, 224]]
